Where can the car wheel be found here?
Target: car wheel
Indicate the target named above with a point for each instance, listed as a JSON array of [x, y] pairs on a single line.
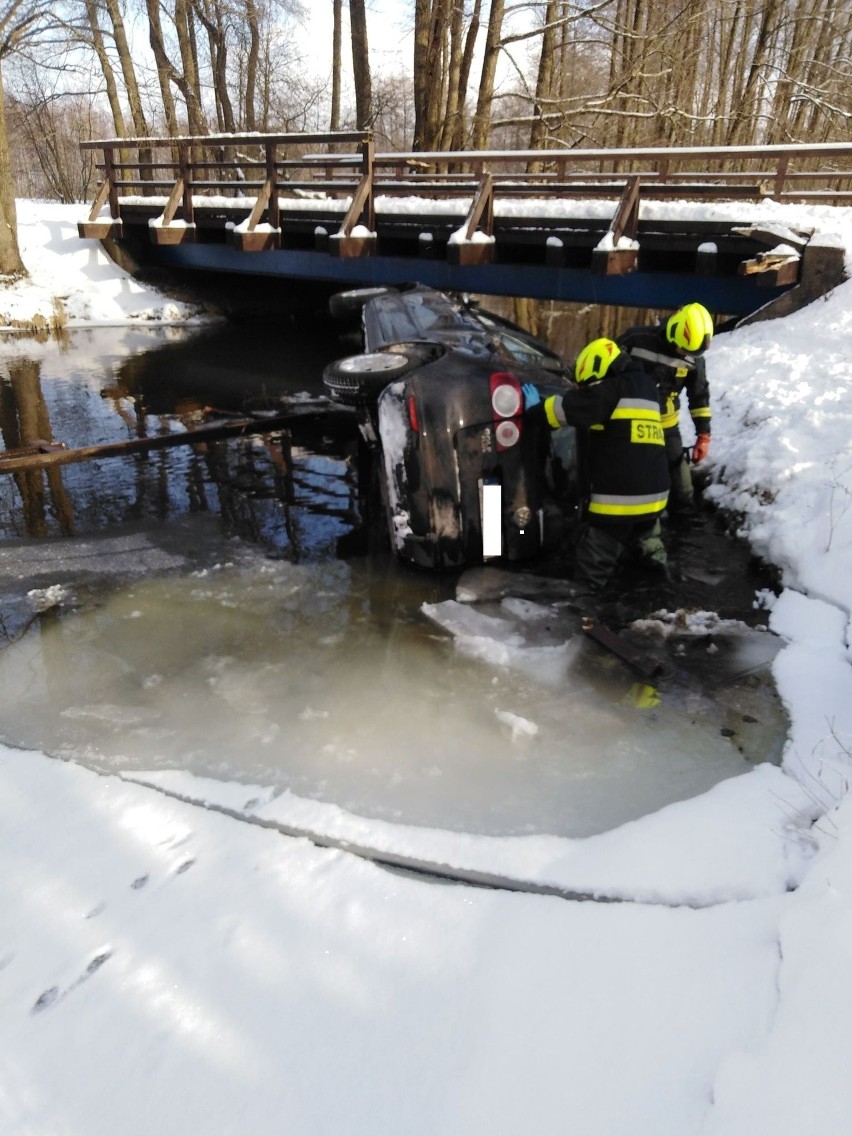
[[343, 304], [359, 379]]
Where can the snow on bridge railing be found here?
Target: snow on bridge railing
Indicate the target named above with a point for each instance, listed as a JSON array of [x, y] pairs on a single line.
[[256, 174]]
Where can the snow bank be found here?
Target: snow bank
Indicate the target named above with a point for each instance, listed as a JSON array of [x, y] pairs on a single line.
[[166, 968], [73, 283]]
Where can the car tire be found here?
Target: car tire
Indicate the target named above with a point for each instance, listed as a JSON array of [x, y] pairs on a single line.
[[345, 304], [358, 380]]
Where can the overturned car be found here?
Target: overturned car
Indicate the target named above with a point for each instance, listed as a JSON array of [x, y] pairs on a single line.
[[464, 477]]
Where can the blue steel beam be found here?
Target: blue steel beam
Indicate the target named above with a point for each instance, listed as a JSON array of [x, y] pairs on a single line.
[[732, 295]]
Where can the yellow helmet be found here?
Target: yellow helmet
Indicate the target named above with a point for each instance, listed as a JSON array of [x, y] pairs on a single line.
[[690, 328], [594, 360]]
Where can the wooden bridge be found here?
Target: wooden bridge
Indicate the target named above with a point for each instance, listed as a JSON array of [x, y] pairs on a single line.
[[640, 227]]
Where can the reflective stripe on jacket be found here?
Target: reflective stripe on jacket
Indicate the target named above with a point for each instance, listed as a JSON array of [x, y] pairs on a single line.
[[673, 374], [627, 468]]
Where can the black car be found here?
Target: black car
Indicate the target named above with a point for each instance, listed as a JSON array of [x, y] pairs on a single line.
[[465, 477]]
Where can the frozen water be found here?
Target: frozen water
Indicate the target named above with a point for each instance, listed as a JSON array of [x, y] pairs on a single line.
[[156, 637], [329, 680]]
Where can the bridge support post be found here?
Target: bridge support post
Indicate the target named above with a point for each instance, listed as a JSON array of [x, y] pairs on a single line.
[[165, 230], [823, 267], [466, 249], [357, 236], [101, 228], [608, 259]]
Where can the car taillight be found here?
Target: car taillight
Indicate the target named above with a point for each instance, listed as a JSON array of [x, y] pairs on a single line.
[[507, 403], [412, 414]]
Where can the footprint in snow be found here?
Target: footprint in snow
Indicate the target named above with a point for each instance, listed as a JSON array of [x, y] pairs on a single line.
[[53, 994], [96, 964], [46, 999]]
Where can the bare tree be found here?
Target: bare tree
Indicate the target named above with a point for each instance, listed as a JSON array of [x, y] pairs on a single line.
[[493, 44], [444, 41], [128, 71], [361, 63], [459, 82], [336, 63], [10, 256], [213, 15], [95, 38], [47, 127], [20, 24], [544, 86]]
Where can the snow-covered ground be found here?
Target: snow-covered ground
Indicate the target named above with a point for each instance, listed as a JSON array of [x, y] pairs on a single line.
[[72, 283], [170, 968]]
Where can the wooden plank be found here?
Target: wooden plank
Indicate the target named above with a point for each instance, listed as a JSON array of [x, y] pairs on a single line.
[[772, 235], [175, 234], [328, 138], [100, 230], [766, 262], [643, 664], [350, 248], [254, 240], [781, 274], [614, 262], [35, 446], [467, 253], [14, 461]]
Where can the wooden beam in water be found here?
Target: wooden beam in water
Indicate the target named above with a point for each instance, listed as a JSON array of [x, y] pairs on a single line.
[[43, 455]]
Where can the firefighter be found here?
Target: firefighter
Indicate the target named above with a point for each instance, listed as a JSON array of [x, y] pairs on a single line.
[[625, 472], [672, 352]]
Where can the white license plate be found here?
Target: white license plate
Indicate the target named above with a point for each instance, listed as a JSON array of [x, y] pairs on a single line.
[[492, 519]]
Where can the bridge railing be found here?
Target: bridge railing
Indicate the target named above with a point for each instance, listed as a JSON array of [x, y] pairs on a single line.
[[258, 173]]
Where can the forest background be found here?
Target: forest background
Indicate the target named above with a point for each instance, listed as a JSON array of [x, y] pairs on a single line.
[[538, 75]]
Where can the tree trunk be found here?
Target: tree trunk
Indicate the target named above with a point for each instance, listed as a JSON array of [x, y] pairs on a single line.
[[212, 18], [164, 66], [10, 256], [482, 118], [544, 84], [336, 62], [361, 65], [431, 32], [457, 140], [253, 25], [125, 58], [106, 70], [422, 22], [188, 79]]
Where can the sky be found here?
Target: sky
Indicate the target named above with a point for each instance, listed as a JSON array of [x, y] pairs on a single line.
[[171, 962], [389, 36]]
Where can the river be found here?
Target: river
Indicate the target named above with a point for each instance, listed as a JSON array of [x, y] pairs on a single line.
[[216, 610]]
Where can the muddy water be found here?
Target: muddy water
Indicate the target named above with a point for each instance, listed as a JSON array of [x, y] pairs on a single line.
[[193, 611]]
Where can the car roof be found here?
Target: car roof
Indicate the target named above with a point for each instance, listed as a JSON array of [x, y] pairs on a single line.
[[419, 313], [426, 314]]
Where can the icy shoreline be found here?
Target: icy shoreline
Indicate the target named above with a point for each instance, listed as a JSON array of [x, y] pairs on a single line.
[[163, 967]]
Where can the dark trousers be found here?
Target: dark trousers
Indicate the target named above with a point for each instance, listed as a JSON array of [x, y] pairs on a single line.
[[681, 492], [600, 546]]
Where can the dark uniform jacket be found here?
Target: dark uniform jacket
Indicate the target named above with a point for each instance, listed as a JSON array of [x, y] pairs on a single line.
[[627, 471], [674, 374]]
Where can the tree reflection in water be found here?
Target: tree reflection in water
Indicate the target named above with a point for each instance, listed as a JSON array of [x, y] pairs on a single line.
[[24, 418], [295, 496]]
